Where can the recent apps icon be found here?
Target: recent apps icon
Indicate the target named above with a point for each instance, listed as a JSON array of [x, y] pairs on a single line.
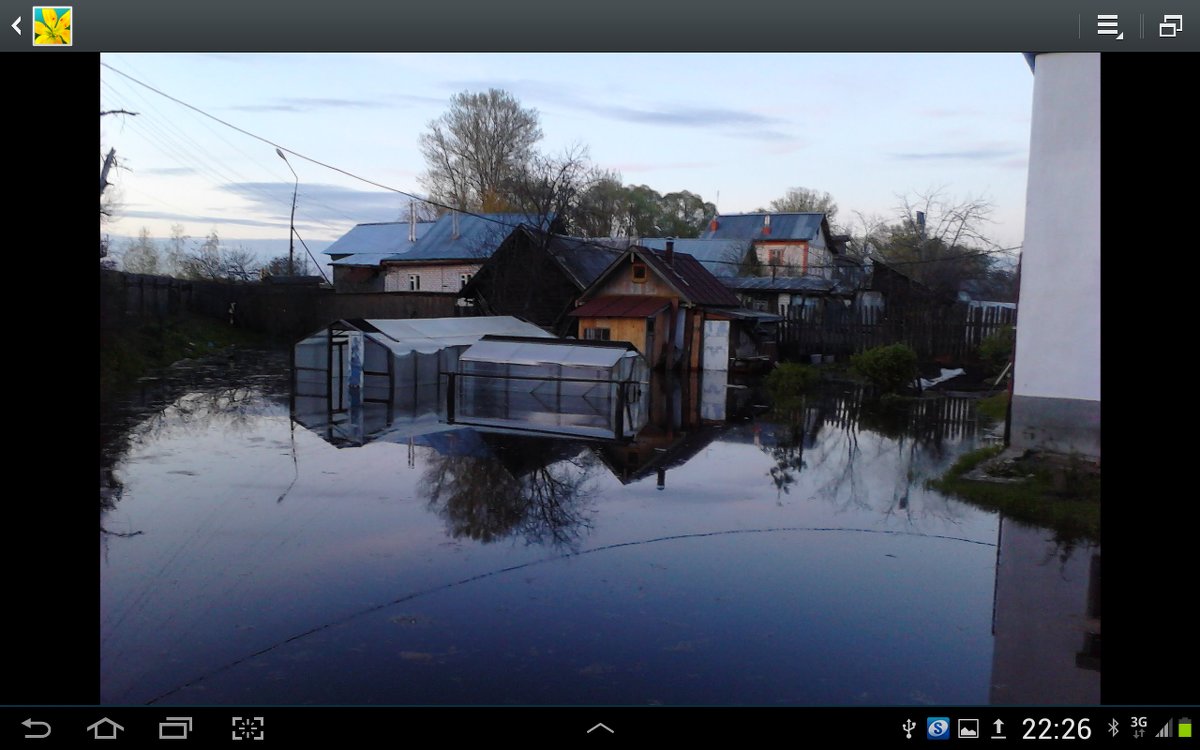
[[937, 728]]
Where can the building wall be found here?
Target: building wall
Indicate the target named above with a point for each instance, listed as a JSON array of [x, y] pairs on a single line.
[[622, 282], [434, 278], [1056, 386], [633, 330]]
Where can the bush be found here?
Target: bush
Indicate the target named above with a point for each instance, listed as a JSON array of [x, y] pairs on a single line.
[[996, 350], [789, 379], [888, 368]]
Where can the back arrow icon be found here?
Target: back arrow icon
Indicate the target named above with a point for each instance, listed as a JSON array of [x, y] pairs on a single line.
[[15, 25], [28, 723]]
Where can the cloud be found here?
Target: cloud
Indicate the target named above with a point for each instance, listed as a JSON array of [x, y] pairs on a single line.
[[320, 203], [185, 219], [970, 154], [309, 103], [170, 171], [750, 125]]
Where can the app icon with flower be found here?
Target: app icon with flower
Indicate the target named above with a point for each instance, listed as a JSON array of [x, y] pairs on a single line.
[[51, 25]]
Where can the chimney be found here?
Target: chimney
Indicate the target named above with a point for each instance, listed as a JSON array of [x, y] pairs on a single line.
[[454, 219], [766, 224], [412, 221], [669, 253]]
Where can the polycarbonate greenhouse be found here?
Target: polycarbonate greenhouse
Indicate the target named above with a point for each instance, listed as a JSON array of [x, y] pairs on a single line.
[[582, 388], [357, 379]]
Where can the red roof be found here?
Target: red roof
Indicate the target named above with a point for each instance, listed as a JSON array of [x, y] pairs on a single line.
[[621, 306]]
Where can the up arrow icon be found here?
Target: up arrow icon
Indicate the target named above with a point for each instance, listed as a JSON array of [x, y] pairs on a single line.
[[600, 726]]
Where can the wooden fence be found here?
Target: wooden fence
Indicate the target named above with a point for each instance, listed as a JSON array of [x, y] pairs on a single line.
[[948, 334]]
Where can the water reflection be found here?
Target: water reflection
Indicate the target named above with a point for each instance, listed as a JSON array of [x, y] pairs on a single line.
[[725, 555], [536, 489]]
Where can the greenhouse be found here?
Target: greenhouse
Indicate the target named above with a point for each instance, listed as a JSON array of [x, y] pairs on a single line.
[[595, 389], [357, 380]]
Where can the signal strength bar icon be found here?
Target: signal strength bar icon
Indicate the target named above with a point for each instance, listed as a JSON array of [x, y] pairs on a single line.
[[1106, 25], [1166, 730]]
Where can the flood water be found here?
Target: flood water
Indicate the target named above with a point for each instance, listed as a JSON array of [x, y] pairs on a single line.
[[768, 559]]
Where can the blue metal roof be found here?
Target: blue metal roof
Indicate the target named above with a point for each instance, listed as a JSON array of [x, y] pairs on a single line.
[[719, 257], [793, 226], [381, 237], [477, 238]]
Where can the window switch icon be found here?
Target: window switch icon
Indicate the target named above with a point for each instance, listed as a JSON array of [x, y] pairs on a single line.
[[1171, 26]]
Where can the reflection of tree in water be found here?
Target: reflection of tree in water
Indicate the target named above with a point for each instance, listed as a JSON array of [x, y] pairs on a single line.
[[913, 433], [488, 499], [224, 392]]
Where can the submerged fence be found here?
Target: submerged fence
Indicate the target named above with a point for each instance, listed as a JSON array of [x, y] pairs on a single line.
[[951, 334]]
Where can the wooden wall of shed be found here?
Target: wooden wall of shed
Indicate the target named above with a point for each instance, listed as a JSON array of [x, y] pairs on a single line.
[[522, 280], [622, 282], [633, 330]]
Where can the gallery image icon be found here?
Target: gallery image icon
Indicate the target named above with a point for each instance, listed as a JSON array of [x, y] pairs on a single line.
[[968, 729]]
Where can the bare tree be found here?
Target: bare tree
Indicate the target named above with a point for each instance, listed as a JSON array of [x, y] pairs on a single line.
[[473, 150], [141, 255]]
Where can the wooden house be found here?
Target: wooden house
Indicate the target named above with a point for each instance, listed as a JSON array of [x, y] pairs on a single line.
[[538, 276], [658, 301]]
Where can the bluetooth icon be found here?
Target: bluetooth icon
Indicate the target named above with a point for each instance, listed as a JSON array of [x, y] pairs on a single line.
[[1112, 727]]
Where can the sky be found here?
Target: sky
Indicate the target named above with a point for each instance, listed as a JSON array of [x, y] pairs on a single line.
[[738, 129]]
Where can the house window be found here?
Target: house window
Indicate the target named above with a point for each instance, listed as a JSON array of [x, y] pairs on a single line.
[[774, 256], [596, 334], [463, 278], [414, 282], [639, 273]]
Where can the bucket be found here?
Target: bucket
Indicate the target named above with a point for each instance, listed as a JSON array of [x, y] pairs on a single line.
[[815, 358]]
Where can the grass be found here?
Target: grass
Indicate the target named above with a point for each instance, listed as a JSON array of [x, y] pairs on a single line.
[[994, 407], [1061, 493], [131, 353]]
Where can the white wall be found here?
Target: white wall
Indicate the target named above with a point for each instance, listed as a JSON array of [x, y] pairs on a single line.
[[1058, 339], [433, 278]]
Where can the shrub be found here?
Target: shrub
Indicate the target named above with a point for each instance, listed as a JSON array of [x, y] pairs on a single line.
[[888, 368], [789, 379], [996, 350]]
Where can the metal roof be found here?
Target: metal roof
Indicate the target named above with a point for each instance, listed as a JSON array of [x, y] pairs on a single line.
[[368, 260], [583, 260], [433, 334], [621, 306], [382, 237], [477, 237], [720, 257], [784, 226], [691, 279], [795, 284], [535, 352]]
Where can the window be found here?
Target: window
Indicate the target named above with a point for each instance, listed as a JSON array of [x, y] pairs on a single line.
[[414, 282], [774, 256], [596, 334], [639, 273], [463, 278]]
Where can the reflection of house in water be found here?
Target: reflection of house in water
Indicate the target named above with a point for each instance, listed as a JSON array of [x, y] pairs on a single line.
[[685, 414], [1046, 621]]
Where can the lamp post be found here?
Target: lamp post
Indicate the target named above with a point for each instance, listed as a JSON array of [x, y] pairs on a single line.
[[292, 226]]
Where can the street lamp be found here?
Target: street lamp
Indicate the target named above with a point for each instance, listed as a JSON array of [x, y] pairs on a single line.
[[292, 235]]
